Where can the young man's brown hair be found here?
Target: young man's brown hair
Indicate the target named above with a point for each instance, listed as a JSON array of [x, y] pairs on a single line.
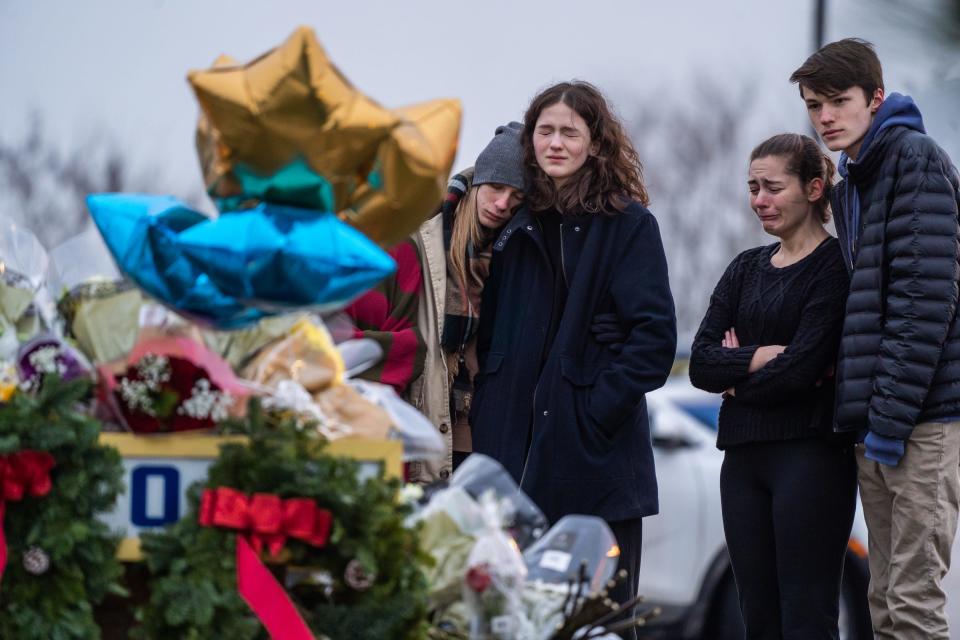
[[850, 62]]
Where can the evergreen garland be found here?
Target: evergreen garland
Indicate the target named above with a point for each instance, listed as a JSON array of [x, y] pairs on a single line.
[[58, 603], [193, 586]]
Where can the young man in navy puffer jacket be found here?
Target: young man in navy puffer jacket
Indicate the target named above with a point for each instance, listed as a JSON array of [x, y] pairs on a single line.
[[898, 372]]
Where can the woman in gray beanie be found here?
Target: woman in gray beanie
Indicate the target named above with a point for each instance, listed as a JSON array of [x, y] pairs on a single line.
[[455, 247]]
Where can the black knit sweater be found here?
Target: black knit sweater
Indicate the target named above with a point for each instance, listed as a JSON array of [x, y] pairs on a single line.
[[800, 306]]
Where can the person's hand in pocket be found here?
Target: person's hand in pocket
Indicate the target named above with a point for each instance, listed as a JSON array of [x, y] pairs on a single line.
[[607, 330]]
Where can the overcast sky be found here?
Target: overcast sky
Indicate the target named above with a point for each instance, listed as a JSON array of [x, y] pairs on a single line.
[[119, 66]]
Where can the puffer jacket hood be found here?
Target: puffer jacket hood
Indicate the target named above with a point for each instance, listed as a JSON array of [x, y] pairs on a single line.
[[896, 110]]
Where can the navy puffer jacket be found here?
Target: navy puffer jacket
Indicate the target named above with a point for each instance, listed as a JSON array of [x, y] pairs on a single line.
[[899, 362]]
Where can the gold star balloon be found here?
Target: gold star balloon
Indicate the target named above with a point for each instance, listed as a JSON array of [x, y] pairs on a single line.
[[289, 128], [409, 176]]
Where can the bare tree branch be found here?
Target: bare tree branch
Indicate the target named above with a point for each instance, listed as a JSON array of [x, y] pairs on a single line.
[[44, 187], [695, 155]]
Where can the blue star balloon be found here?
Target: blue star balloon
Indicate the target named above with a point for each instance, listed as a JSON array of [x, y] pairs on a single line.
[[281, 258], [235, 270]]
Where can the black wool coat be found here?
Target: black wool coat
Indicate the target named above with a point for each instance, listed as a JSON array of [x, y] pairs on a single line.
[[570, 422], [899, 362]]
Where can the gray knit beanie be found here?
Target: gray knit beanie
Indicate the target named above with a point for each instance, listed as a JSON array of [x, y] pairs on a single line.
[[502, 160]]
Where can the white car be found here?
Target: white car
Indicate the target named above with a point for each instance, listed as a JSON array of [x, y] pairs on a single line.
[[685, 568]]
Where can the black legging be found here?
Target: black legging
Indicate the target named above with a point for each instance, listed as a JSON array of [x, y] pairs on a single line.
[[629, 535], [788, 508]]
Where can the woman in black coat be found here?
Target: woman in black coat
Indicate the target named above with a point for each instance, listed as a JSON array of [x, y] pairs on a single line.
[[560, 409], [769, 341]]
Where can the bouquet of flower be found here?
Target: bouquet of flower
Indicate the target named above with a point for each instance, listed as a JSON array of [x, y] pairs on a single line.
[[478, 571], [494, 577], [23, 266], [44, 355], [171, 384], [569, 571], [521, 517], [484, 588], [98, 309]]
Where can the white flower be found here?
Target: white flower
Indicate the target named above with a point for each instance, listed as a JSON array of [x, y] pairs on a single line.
[[205, 403], [154, 370], [136, 395], [411, 493], [47, 360]]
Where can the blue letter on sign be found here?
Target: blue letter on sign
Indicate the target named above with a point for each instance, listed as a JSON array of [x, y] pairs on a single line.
[[138, 496]]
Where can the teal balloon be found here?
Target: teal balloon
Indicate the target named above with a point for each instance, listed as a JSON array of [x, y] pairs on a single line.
[[141, 231], [295, 184], [232, 271], [281, 258]]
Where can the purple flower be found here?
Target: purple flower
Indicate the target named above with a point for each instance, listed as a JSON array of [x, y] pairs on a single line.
[[47, 354]]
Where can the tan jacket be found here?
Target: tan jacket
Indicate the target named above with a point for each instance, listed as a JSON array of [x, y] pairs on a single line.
[[430, 393]]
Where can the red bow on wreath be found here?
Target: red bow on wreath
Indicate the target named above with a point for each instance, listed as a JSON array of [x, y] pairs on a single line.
[[22, 473], [268, 520]]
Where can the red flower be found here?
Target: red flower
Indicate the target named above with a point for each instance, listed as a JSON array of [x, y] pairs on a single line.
[[478, 577], [183, 375]]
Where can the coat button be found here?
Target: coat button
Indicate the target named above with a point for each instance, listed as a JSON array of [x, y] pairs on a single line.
[[444, 473], [444, 427], [546, 413], [576, 228], [529, 227], [509, 231], [500, 244]]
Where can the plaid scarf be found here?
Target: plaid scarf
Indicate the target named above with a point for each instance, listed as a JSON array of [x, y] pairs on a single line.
[[462, 298]]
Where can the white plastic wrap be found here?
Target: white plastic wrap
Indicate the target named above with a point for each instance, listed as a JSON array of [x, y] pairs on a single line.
[[23, 268], [493, 583], [575, 541], [421, 441], [480, 473]]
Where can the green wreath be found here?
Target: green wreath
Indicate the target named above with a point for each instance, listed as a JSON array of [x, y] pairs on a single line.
[[61, 559], [194, 587]]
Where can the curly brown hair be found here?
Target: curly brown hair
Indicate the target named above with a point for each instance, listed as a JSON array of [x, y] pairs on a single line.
[[612, 176]]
